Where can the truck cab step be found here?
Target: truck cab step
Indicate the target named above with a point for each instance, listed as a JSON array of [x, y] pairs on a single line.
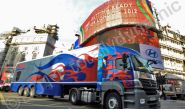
[[129, 101], [129, 93]]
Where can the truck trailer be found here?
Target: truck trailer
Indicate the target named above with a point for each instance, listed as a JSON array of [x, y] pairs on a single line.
[[115, 76]]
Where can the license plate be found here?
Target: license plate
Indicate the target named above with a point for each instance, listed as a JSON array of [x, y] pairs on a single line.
[[153, 98]]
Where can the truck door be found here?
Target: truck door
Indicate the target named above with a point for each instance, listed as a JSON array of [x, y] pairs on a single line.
[[115, 70], [123, 71], [107, 68]]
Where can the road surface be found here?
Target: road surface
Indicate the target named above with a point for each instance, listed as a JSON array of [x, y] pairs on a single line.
[[13, 101]]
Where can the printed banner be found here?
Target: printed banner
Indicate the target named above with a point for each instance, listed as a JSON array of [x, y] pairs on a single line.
[[152, 53]]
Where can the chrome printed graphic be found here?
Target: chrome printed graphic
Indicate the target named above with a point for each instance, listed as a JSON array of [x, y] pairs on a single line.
[[151, 53]]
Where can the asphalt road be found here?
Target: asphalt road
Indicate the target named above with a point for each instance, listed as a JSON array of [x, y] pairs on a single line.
[[13, 101]]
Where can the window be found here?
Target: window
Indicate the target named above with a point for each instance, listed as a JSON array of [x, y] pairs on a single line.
[[120, 64], [25, 48], [12, 59], [36, 48], [18, 74], [140, 64], [23, 55], [34, 56], [168, 87]]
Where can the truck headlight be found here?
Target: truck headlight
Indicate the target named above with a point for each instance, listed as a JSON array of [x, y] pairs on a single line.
[[138, 84]]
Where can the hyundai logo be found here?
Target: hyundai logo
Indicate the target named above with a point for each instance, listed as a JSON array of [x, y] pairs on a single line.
[[151, 53]]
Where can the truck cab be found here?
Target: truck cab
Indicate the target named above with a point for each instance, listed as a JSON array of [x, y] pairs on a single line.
[[136, 75]]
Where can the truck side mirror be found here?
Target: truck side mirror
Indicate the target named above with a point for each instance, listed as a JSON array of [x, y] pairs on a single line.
[[124, 59]]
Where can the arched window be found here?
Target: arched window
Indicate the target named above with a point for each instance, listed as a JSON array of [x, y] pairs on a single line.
[[23, 56], [34, 56], [12, 58]]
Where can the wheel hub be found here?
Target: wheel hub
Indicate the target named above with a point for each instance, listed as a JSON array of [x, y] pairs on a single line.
[[32, 92], [73, 98], [113, 103]]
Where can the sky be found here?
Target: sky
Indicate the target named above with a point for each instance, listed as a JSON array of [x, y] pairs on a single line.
[[70, 14]]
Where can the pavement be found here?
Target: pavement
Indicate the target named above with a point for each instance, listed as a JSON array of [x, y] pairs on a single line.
[[13, 101]]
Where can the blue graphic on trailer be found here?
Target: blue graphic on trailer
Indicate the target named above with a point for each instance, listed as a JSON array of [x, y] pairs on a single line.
[[72, 66]]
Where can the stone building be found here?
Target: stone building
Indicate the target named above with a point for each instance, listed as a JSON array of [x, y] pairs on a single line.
[[5, 41], [2, 49], [171, 45], [32, 44]]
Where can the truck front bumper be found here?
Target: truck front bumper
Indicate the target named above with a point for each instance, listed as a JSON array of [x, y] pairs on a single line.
[[144, 101]]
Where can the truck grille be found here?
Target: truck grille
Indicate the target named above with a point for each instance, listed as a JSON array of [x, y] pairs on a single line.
[[149, 86]]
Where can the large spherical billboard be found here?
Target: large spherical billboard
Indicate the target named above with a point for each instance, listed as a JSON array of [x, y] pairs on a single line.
[[117, 12]]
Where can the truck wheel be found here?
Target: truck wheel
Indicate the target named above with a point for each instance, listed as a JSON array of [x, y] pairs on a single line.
[[50, 96], [113, 101], [3, 88], [183, 97], [73, 97], [44, 95], [32, 92], [20, 91], [7, 88], [26, 92]]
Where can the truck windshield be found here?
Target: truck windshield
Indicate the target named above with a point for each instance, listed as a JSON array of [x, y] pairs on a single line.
[[140, 64], [168, 87]]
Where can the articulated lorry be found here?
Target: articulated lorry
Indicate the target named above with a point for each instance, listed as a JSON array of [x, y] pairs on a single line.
[[115, 76]]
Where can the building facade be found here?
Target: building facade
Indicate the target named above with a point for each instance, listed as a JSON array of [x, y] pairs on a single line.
[[32, 44], [2, 49], [5, 41], [171, 45]]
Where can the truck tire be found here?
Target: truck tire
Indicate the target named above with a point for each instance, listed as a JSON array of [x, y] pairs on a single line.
[[7, 88], [3, 88], [113, 101], [50, 96], [182, 97], [32, 92], [74, 97], [20, 91], [26, 92]]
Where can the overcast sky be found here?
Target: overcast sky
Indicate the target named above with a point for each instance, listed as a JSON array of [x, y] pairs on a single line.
[[70, 14]]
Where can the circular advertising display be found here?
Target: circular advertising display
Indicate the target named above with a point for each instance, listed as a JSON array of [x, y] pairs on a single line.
[[117, 13]]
